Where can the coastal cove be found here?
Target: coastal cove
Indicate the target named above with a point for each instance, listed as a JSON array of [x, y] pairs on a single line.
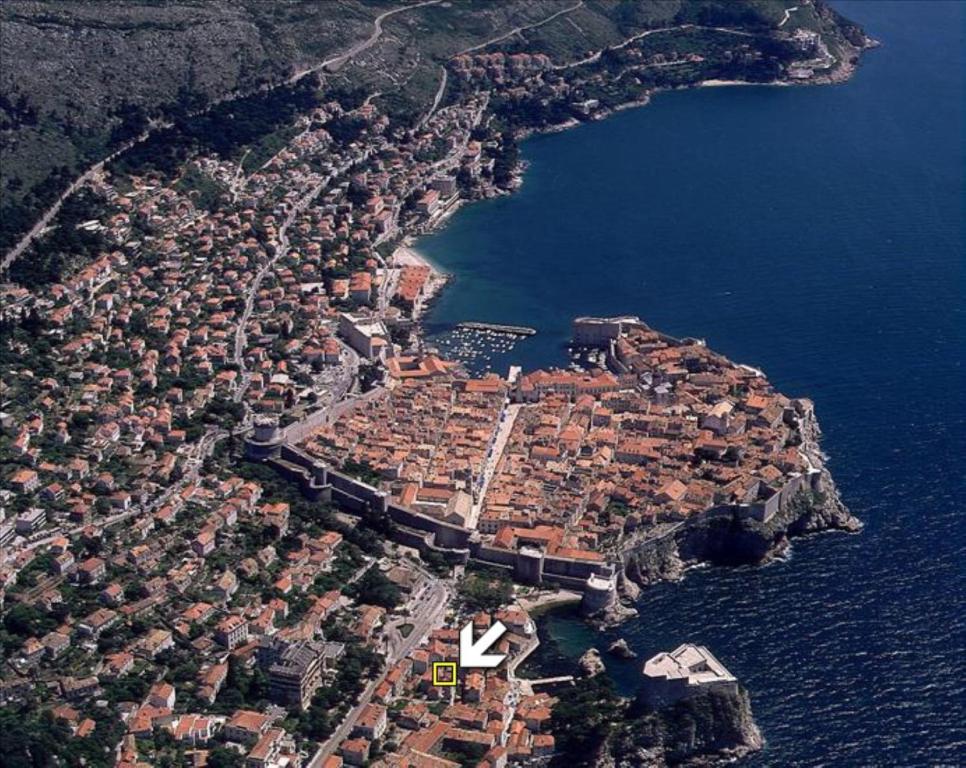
[[816, 233]]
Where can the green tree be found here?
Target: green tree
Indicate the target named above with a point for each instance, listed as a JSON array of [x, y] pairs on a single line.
[[583, 718], [223, 757], [374, 588], [485, 590]]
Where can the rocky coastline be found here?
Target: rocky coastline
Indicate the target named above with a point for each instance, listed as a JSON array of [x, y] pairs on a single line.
[[843, 71], [714, 727], [710, 728], [732, 540]]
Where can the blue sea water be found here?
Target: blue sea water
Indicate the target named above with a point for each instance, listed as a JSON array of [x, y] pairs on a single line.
[[817, 233]]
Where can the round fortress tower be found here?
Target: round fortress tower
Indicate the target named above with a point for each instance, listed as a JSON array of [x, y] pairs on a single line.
[[265, 439], [600, 592]]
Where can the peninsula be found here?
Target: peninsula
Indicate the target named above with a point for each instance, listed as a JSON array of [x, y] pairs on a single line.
[[246, 510]]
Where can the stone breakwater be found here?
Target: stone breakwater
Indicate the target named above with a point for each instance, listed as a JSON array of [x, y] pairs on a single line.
[[734, 539]]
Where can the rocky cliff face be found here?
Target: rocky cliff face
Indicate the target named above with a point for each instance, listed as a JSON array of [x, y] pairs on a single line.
[[711, 728], [737, 541], [733, 540]]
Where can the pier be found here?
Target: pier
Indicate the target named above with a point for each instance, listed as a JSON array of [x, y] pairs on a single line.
[[549, 682], [513, 330]]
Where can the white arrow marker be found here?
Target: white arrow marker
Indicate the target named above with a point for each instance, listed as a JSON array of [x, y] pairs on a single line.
[[474, 654]]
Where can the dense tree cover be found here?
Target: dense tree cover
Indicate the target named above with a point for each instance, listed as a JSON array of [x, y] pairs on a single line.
[[589, 719], [375, 589], [316, 515], [485, 590], [330, 703], [348, 560], [532, 111], [132, 122], [224, 757], [17, 216], [583, 718], [242, 689], [705, 724], [202, 188], [126, 688], [467, 755], [436, 563], [16, 110], [369, 375], [32, 740], [224, 129], [22, 621], [346, 128], [225, 412], [506, 161], [722, 13], [65, 245], [349, 97], [362, 470]]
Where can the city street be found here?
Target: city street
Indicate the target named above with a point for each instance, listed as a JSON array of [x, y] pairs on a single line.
[[430, 614]]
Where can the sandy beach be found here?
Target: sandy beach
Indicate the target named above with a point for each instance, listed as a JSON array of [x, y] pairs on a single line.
[[544, 601], [407, 256], [721, 83]]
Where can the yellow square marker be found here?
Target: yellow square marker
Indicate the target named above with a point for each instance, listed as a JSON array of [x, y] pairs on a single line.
[[444, 673]]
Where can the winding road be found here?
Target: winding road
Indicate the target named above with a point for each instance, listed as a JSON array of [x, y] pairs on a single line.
[[43, 222], [433, 606], [633, 38], [439, 97], [334, 62], [281, 247], [518, 30], [337, 61]]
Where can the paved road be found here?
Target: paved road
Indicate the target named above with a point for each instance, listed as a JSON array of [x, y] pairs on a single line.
[[430, 614], [204, 448], [281, 248], [518, 30], [503, 431], [335, 61], [439, 97], [633, 38], [48, 215]]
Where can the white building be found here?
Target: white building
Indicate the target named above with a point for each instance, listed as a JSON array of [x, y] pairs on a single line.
[[367, 336], [684, 672]]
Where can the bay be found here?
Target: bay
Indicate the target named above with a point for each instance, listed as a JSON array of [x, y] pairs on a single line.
[[816, 233]]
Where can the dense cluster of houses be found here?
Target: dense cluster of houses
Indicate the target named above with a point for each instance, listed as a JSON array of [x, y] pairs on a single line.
[[209, 585], [429, 435], [669, 431], [230, 291], [486, 713], [206, 308], [677, 431]]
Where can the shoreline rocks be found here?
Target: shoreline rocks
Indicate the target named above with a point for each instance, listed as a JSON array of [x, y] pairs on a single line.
[[734, 540], [591, 664], [710, 728], [731, 540], [689, 711], [621, 649]]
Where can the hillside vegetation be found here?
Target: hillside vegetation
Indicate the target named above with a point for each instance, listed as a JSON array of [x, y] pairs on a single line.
[[81, 78]]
